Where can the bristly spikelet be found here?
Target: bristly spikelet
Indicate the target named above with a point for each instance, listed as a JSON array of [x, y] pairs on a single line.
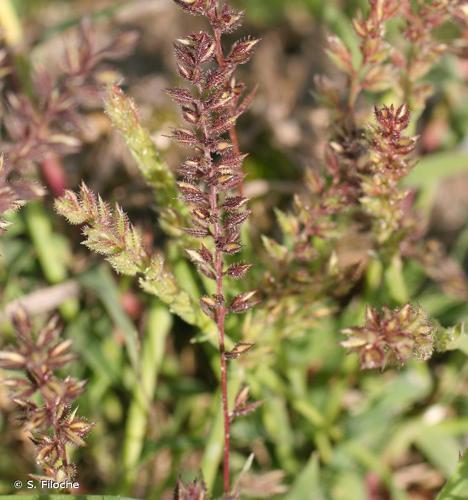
[[216, 169], [214, 172], [40, 125], [196, 490], [14, 193], [391, 337], [359, 197], [382, 65], [123, 114], [389, 163], [43, 398], [107, 231]]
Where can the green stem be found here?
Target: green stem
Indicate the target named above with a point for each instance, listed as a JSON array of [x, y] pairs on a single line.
[[12, 30], [159, 326]]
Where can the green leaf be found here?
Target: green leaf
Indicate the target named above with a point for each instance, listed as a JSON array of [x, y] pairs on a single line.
[[308, 411], [307, 484], [101, 282], [288, 223], [51, 250], [277, 422], [275, 250], [436, 167], [431, 170], [90, 350], [348, 485], [441, 449], [159, 326], [373, 276], [372, 462], [395, 281], [457, 485], [458, 339], [388, 401]]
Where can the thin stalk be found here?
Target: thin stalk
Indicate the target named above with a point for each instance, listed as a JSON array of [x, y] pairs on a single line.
[[213, 452], [214, 173], [220, 317], [355, 90]]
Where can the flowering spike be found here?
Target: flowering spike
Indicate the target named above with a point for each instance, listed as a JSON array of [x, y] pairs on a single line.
[[238, 271], [391, 337], [244, 301], [241, 405], [382, 197], [242, 50], [209, 178], [192, 6], [239, 349], [107, 232], [195, 490], [50, 424]]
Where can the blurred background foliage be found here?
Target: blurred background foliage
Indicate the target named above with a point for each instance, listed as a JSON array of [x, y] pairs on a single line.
[[326, 429]]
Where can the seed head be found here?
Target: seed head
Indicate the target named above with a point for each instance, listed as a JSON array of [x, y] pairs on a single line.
[[391, 337], [42, 397], [196, 490]]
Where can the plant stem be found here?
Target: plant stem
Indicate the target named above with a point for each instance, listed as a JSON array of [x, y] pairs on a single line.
[[213, 451], [221, 311], [220, 316], [354, 91]]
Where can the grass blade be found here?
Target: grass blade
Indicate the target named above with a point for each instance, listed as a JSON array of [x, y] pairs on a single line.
[[159, 326]]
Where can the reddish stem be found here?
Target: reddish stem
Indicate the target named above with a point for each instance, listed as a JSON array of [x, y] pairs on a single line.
[[54, 174], [220, 316], [219, 49]]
